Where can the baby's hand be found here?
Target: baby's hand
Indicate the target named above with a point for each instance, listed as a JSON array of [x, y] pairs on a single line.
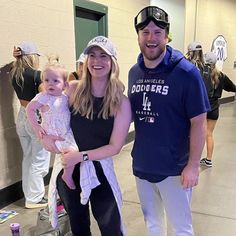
[[39, 131]]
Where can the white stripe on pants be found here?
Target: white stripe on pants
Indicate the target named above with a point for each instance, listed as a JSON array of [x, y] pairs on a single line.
[[36, 160], [167, 196]]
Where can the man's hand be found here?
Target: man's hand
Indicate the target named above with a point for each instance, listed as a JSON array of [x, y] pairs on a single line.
[[189, 176]]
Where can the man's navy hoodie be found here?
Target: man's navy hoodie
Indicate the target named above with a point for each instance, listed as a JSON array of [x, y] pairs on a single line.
[[163, 101]]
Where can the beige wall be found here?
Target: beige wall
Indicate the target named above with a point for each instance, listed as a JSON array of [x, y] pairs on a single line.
[[49, 24], [213, 17]]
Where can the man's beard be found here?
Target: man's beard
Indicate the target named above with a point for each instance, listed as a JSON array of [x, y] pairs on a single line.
[[152, 57]]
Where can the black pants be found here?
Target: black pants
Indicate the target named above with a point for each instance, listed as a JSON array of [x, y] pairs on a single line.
[[103, 205]]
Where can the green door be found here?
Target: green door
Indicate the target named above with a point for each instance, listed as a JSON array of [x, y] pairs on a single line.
[[90, 21]]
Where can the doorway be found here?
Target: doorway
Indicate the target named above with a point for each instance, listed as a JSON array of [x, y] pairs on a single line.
[[90, 20]]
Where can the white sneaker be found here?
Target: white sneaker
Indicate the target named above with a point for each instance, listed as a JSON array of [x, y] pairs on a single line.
[[41, 204]]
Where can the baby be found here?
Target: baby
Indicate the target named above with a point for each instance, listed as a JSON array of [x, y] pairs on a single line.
[[54, 107]]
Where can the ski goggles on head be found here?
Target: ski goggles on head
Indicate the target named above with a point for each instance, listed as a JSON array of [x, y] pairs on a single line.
[[151, 13]]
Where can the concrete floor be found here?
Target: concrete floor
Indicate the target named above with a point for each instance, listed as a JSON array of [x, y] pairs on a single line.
[[214, 199]]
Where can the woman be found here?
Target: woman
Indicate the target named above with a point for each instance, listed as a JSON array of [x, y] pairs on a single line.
[[221, 82], [100, 119], [26, 83], [195, 55], [76, 75]]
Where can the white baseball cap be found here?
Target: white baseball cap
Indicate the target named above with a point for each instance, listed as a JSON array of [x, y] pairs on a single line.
[[104, 43], [210, 58], [194, 46], [28, 48], [81, 58]]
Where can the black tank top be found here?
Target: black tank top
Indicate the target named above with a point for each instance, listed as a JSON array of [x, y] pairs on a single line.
[[91, 134], [75, 75], [30, 85]]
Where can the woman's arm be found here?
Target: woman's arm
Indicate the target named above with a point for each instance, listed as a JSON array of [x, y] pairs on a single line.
[[119, 133], [72, 76], [228, 85], [48, 142]]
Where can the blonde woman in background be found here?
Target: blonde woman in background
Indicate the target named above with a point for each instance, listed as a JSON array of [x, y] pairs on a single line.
[[195, 55], [221, 82], [76, 75], [26, 83]]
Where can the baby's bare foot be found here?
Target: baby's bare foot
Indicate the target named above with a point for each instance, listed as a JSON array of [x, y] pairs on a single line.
[[69, 181]]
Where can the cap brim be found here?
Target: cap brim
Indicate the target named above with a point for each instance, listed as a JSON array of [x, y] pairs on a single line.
[[36, 53], [86, 50], [79, 61], [26, 53]]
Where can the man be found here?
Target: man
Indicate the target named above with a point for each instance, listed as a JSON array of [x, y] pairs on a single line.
[[169, 105]]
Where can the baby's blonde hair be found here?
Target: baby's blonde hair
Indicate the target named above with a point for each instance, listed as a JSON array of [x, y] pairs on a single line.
[[55, 65]]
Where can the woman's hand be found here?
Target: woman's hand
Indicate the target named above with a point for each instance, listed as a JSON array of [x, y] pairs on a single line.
[[71, 158], [48, 142], [16, 52]]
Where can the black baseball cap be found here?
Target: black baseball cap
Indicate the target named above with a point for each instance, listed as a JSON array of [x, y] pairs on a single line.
[[152, 13]]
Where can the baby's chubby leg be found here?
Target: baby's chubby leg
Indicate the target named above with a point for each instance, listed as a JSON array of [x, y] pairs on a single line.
[[67, 174], [67, 177]]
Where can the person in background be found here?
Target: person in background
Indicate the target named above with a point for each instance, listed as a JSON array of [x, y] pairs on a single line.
[[195, 55], [26, 83], [221, 82], [169, 105], [76, 75], [100, 120]]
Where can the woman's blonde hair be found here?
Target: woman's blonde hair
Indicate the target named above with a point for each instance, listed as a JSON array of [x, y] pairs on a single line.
[[82, 98], [54, 65], [20, 64], [215, 74], [196, 57]]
